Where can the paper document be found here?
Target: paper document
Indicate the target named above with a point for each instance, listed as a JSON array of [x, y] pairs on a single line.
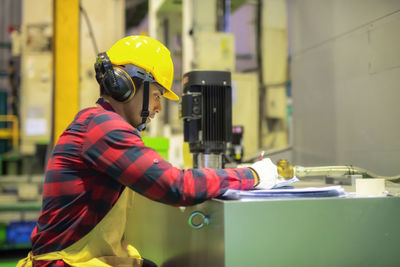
[[284, 182], [330, 191]]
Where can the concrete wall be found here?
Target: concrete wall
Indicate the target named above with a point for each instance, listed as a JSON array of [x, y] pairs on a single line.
[[346, 77]]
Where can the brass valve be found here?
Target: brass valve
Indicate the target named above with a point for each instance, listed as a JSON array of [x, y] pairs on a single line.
[[284, 169]]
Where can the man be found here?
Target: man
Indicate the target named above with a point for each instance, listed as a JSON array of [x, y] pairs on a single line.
[[100, 160]]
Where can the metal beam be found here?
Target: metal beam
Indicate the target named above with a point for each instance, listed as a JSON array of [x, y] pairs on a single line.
[[66, 64]]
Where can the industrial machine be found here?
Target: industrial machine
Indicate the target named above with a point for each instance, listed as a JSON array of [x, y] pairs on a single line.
[[206, 110], [336, 231], [317, 231], [280, 231], [237, 149]]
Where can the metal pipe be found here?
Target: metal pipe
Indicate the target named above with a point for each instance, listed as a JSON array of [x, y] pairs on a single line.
[[262, 93], [203, 160], [300, 171]]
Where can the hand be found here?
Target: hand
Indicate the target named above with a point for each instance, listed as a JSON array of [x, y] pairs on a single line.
[[267, 173]]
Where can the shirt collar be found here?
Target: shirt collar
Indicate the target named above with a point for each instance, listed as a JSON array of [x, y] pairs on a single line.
[[104, 104], [107, 106]]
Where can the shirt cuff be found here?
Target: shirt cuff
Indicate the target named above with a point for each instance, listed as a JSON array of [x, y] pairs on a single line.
[[256, 178]]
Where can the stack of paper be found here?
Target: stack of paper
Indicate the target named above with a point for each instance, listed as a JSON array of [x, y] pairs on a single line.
[[309, 192]]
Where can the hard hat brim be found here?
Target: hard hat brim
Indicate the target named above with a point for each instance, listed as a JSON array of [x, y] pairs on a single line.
[[170, 95]]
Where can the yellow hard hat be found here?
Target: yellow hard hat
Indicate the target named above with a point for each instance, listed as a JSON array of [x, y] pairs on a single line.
[[148, 54]]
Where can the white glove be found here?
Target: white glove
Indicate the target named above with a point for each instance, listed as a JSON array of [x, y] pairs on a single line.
[[267, 173]]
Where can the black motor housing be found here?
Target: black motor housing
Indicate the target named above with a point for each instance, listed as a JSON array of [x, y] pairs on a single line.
[[206, 110]]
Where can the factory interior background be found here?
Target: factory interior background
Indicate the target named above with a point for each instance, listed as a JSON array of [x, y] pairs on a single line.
[[314, 82]]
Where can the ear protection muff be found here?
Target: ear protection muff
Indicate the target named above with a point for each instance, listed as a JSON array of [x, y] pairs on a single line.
[[116, 82]]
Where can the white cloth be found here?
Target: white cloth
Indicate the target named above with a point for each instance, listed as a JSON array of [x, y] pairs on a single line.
[[267, 173]]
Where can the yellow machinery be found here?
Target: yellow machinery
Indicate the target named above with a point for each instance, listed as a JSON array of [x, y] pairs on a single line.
[[10, 132], [57, 53]]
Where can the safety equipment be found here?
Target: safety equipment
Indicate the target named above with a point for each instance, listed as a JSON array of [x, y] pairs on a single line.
[[135, 56], [150, 55], [103, 246], [117, 80], [145, 107], [267, 173], [114, 80]]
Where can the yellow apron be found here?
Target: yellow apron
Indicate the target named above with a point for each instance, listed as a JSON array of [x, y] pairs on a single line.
[[103, 246]]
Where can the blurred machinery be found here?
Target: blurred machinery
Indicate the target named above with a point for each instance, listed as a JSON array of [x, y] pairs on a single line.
[[236, 150], [206, 111], [10, 132], [209, 45], [34, 43], [36, 78]]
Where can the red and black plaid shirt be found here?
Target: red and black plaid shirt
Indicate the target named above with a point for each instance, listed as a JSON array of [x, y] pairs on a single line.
[[97, 156]]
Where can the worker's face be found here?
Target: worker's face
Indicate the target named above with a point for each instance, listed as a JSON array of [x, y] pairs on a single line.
[[133, 108]]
